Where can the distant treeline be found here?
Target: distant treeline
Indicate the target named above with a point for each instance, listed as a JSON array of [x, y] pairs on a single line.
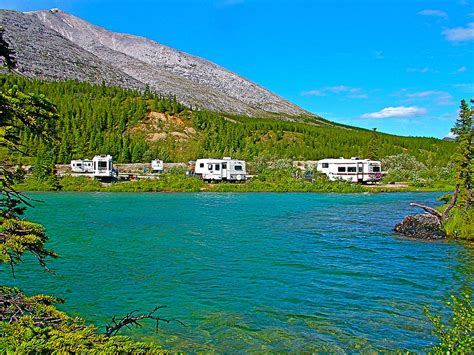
[[97, 119]]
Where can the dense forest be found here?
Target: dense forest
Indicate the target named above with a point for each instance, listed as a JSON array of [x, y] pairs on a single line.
[[96, 119]]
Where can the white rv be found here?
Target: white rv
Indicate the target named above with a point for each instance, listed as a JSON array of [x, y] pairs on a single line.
[[157, 166], [82, 166], [225, 169], [103, 166], [353, 169]]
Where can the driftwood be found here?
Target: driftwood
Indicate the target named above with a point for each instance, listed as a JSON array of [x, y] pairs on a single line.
[[428, 209], [440, 216], [129, 319], [427, 226]]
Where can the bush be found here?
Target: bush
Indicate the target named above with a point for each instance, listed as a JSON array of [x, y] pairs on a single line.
[[456, 334]]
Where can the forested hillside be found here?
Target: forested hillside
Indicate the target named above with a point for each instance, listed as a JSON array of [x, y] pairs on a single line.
[[136, 127]]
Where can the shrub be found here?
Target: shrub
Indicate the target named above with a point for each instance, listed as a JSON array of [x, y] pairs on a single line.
[[456, 334]]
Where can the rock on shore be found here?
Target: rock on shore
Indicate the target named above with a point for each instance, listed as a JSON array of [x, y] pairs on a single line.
[[421, 226]]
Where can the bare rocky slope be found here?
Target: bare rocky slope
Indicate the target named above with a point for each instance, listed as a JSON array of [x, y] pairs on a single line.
[[54, 45]]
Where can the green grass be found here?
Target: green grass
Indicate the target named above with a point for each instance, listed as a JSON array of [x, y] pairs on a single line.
[[460, 224]]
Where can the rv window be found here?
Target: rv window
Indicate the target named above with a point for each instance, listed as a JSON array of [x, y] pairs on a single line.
[[361, 169], [201, 165], [209, 166], [325, 165], [224, 165], [103, 164], [341, 169], [238, 168], [376, 169], [218, 166], [351, 169]]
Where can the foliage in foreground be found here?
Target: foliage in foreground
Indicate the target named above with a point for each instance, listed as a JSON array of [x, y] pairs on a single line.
[[456, 334], [35, 325]]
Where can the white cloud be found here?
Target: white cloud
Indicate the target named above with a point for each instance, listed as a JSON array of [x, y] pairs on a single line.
[[313, 93], [351, 92], [359, 96], [342, 88], [433, 13], [423, 70], [396, 112], [461, 69], [441, 98], [460, 34]]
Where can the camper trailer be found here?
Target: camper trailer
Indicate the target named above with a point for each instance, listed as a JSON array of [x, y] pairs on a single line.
[[225, 169], [82, 166], [157, 166], [103, 166], [353, 169]]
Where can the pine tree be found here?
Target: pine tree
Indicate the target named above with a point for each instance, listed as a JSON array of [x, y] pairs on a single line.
[[373, 146], [464, 131]]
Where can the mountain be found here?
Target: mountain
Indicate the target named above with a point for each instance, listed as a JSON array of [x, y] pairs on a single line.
[[54, 45]]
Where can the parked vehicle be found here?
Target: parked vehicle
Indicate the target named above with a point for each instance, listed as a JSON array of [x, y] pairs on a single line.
[[82, 166], [225, 169], [103, 166], [157, 166], [353, 169]]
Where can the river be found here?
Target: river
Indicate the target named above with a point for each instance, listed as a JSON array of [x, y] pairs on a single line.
[[250, 271]]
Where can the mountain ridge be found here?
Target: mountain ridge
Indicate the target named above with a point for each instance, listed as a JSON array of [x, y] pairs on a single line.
[[60, 46]]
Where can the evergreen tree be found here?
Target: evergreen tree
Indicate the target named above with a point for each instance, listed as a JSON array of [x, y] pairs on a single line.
[[464, 131], [373, 146], [36, 115]]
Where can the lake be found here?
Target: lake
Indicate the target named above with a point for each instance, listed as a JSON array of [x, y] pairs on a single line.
[[250, 271]]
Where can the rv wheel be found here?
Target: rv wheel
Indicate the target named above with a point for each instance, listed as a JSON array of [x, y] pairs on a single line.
[[239, 177]]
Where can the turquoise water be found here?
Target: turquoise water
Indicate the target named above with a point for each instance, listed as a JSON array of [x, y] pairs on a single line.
[[248, 272]]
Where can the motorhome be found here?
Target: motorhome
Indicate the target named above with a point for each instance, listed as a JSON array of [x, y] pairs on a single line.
[[157, 166], [225, 169], [103, 166], [353, 169], [82, 166]]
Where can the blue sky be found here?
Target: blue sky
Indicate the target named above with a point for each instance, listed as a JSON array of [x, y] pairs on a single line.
[[401, 66]]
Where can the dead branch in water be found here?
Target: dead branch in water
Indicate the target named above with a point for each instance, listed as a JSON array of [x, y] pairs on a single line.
[[453, 202], [129, 319], [430, 210], [440, 216]]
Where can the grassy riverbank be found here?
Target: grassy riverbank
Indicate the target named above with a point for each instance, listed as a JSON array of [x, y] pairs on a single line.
[[271, 180]]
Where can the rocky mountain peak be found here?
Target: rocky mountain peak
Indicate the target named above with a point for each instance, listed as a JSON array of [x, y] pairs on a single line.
[[53, 44]]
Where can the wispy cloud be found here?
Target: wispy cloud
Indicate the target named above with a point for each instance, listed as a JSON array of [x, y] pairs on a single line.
[[225, 3], [469, 87], [396, 112], [461, 69], [433, 13], [378, 55], [351, 92], [460, 34], [441, 98], [423, 70], [313, 93]]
